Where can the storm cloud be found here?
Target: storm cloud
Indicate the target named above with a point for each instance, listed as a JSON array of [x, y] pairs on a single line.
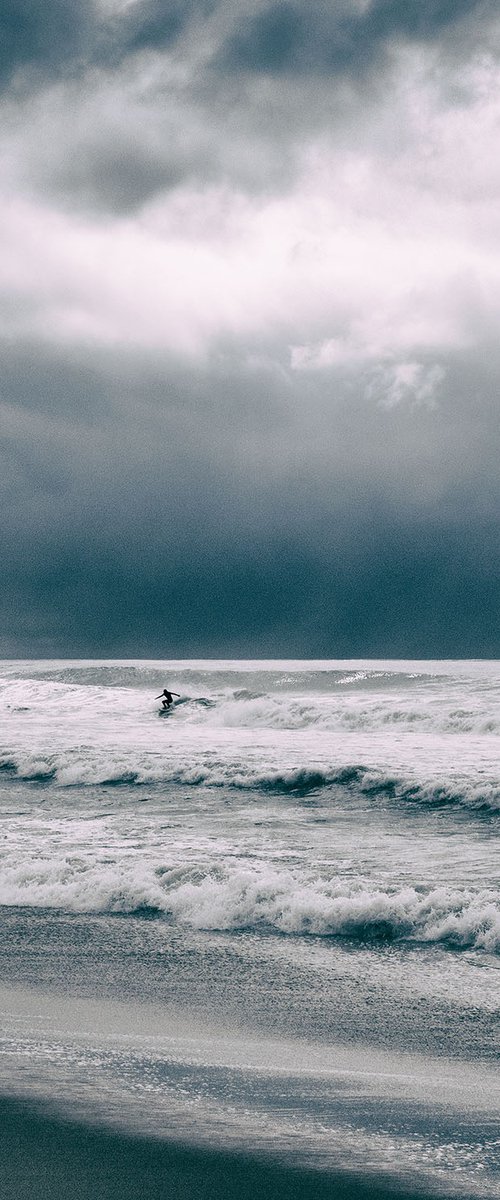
[[249, 300], [343, 37]]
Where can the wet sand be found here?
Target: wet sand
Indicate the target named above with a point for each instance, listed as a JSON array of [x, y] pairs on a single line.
[[48, 1158]]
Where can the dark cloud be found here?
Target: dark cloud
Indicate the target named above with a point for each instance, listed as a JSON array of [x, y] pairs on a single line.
[[390, 588], [114, 171], [154, 24], [43, 36], [110, 134], [88, 127], [113, 148], [151, 25], [144, 511], [49, 38], [288, 36]]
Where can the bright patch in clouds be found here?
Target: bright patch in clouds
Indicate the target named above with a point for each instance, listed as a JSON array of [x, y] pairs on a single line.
[[388, 251]]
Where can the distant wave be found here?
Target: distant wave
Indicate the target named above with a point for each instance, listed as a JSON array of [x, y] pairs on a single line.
[[256, 899], [72, 769], [279, 675]]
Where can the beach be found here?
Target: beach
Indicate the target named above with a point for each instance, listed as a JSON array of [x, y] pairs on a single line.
[[250, 947], [50, 1157]]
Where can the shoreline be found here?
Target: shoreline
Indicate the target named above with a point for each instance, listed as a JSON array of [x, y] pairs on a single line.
[[44, 1154]]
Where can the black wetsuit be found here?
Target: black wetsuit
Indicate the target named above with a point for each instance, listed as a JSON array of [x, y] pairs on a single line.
[[167, 697]]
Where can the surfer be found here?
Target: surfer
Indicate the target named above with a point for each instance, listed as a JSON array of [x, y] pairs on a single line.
[[166, 697]]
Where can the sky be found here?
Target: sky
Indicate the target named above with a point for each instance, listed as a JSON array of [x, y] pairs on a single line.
[[249, 315]]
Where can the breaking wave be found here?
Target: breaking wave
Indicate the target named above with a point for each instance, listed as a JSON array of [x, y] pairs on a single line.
[[322, 700], [244, 710], [242, 898], [72, 769]]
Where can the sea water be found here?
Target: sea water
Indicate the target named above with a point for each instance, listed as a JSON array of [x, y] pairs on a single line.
[[268, 919]]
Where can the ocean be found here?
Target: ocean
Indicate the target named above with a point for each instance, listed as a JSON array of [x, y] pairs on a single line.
[[250, 946]]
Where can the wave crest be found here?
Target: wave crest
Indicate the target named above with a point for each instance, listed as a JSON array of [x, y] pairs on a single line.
[[261, 898], [259, 700], [73, 769]]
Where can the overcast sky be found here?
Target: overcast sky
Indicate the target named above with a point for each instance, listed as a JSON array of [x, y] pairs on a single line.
[[249, 323]]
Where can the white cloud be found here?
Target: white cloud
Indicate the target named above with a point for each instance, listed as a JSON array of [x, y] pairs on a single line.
[[288, 271], [382, 256], [406, 382]]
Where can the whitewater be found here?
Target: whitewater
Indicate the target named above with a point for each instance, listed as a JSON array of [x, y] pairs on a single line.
[[307, 852]]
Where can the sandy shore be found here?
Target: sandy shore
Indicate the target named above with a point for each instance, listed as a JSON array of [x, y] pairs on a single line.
[[51, 1159]]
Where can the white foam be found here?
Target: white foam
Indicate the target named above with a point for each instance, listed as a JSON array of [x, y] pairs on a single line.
[[314, 699], [250, 898], [71, 768]]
